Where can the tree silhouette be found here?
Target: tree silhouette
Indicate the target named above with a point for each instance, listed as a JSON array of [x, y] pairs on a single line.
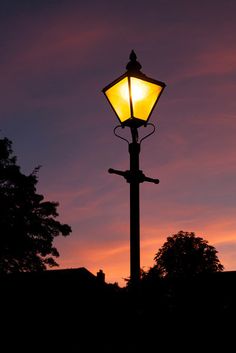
[[27, 222], [185, 255]]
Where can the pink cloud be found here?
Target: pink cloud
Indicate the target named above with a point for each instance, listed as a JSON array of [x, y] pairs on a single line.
[[215, 61], [114, 258], [162, 213]]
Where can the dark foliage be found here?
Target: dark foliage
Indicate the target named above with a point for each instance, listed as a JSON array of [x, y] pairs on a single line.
[[184, 255], [28, 224]]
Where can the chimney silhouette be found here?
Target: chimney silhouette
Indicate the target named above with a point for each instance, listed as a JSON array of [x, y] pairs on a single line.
[[101, 276]]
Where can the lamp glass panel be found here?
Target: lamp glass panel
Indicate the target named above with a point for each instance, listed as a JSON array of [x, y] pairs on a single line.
[[118, 96], [144, 95]]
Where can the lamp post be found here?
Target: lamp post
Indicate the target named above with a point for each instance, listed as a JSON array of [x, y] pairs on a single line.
[[133, 97]]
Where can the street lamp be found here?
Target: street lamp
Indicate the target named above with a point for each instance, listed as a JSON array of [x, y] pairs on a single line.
[[133, 97]]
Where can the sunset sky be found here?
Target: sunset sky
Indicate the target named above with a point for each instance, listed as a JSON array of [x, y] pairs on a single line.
[[57, 55]]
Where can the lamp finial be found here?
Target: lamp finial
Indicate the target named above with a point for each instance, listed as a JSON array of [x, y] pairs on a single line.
[[133, 64]]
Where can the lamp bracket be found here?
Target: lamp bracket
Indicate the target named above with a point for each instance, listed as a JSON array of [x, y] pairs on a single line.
[[119, 136], [151, 133], [134, 133]]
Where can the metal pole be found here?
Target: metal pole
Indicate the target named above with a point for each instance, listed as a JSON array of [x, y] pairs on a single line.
[[134, 150], [134, 177]]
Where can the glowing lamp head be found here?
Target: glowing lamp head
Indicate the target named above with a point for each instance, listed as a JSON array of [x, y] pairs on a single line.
[[133, 96]]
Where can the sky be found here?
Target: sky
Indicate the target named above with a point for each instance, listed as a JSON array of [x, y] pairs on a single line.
[[57, 56]]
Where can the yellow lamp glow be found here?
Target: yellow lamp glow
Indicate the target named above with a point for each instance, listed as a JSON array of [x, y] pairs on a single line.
[[133, 96]]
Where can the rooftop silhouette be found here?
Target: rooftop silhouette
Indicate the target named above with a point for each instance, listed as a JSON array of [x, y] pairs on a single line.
[[76, 310]]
